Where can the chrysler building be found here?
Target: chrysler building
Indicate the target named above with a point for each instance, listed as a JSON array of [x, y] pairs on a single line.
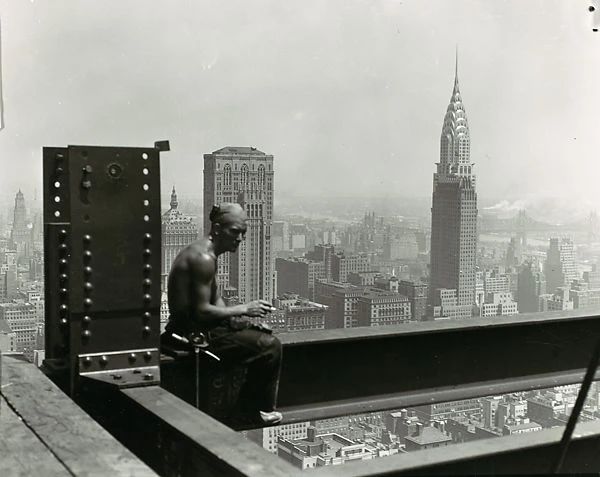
[[453, 217]]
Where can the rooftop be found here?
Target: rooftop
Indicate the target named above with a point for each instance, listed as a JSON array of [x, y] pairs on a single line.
[[240, 150], [429, 435]]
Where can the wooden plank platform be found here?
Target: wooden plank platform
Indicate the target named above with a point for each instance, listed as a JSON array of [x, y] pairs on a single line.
[[23, 454], [50, 420]]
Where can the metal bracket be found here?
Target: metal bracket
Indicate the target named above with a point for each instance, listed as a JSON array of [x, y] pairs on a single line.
[[123, 369]]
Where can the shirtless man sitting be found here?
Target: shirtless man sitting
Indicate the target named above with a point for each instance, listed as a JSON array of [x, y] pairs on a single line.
[[195, 306]]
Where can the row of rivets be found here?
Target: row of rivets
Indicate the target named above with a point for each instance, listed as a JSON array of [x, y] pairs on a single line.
[[147, 282], [58, 172], [87, 285], [88, 360], [63, 276]]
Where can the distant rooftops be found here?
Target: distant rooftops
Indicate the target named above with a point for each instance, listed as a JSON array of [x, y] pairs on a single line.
[[240, 150]]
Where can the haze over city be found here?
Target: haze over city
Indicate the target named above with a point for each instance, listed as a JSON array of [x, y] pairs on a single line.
[[347, 96]]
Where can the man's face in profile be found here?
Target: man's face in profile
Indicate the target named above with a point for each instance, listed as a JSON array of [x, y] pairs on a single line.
[[233, 231]]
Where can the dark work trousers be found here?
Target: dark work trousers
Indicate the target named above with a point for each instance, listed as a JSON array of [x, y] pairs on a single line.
[[261, 353]]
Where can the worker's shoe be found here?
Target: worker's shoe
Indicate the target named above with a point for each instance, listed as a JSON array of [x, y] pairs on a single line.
[[271, 417]]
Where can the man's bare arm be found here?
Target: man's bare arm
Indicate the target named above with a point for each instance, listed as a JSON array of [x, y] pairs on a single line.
[[203, 268]]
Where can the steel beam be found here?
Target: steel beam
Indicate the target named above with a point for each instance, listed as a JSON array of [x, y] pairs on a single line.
[[190, 442], [335, 372]]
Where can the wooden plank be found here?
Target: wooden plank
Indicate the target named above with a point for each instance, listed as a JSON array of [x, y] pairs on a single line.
[[214, 447], [21, 452], [81, 444]]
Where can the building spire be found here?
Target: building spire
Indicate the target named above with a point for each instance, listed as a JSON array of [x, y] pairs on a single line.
[[456, 62], [456, 69], [174, 202]]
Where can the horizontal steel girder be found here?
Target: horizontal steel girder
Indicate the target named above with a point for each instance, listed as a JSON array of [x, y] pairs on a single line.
[[335, 372]]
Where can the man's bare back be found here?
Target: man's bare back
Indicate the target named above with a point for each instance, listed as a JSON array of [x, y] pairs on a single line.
[[182, 278]]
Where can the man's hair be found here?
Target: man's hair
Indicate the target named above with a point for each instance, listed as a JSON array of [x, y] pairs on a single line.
[[219, 212]]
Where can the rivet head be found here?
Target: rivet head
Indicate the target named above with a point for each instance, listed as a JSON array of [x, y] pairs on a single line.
[[147, 267], [147, 237], [147, 298], [63, 321], [132, 356], [87, 254], [147, 315], [148, 376], [63, 291], [148, 355], [117, 377], [104, 359], [146, 329], [63, 277], [86, 334], [87, 319], [147, 252], [59, 171], [136, 371], [87, 238], [87, 270], [63, 262], [147, 282], [62, 248], [63, 308], [87, 302], [87, 286], [87, 361], [62, 234]]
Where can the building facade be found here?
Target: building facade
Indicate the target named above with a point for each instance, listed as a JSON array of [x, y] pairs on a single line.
[[20, 234], [454, 211], [381, 308], [416, 293], [300, 314], [531, 285], [560, 268], [21, 317], [342, 302], [298, 275], [243, 175], [178, 230]]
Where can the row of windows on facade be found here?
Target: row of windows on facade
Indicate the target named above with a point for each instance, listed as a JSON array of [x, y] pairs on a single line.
[[244, 173]]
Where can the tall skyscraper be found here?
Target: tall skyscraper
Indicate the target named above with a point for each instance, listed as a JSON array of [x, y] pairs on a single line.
[[20, 235], [178, 230], [560, 268], [454, 212], [243, 175]]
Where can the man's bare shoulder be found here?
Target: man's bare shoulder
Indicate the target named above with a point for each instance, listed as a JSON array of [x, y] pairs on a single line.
[[196, 257]]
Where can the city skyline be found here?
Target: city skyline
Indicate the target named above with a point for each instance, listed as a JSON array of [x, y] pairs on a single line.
[[381, 69]]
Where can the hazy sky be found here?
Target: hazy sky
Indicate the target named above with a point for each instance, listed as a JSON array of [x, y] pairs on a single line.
[[349, 96]]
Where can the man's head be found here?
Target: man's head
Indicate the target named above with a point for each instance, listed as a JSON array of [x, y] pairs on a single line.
[[228, 226]]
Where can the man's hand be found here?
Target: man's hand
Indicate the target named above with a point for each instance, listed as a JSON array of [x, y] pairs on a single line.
[[258, 308]]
